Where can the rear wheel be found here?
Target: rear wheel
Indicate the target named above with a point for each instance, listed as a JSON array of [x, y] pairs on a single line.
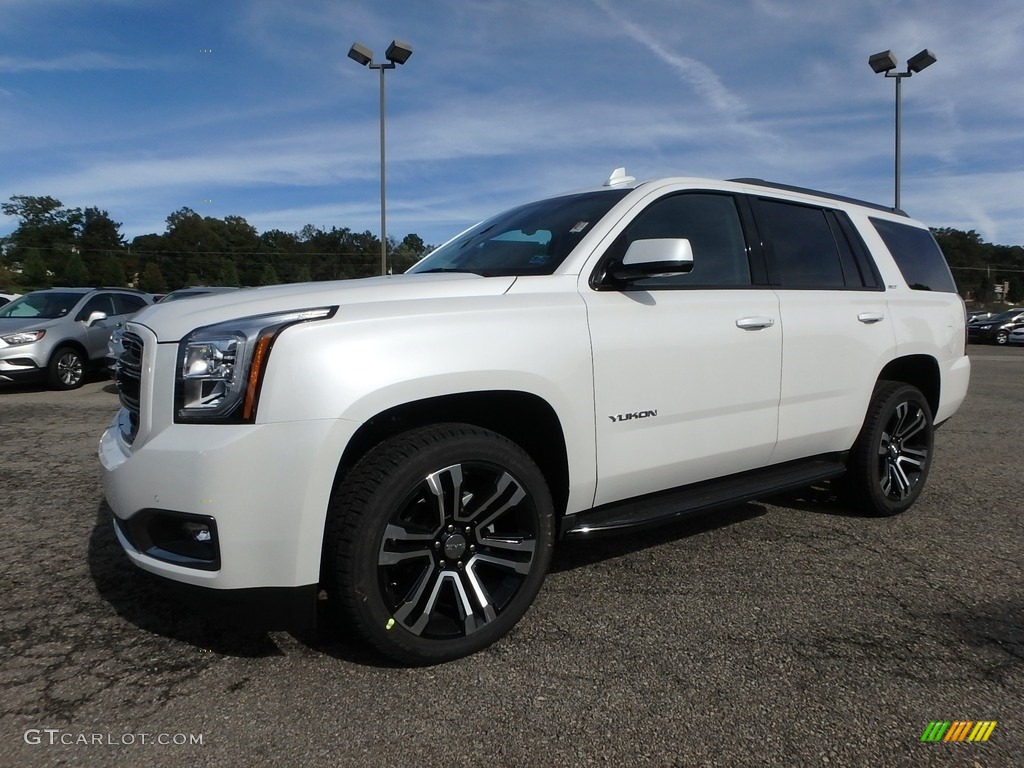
[[438, 542], [889, 462], [66, 369]]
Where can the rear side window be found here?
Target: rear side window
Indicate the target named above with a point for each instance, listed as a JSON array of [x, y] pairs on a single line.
[[127, 304], [801, 248], [917, 255]]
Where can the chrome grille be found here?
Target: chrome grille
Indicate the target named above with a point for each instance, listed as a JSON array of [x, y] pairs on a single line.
[[129, 383]]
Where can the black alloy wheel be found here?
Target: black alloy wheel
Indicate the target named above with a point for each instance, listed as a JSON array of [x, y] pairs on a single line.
[[889, 462], [439, 539], [66, 369]]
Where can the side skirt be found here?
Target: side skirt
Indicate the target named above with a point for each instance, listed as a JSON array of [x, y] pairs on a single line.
[[667, 506]]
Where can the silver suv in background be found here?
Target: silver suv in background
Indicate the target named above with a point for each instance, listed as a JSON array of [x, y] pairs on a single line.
[[57, 333]]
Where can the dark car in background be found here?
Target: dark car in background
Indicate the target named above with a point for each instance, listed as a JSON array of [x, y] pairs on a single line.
[[996, 329]]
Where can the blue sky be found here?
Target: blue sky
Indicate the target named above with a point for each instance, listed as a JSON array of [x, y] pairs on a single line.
[[141, 107]]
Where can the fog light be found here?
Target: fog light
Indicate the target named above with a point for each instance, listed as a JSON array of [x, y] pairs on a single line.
[[198, 531]]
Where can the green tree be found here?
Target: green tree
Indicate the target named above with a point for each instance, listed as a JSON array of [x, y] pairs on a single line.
[[228, 273], [269, 275], [111, 272], [152, 279], [100, 238], [44, 226], [985, 291], [75, 272], [407, 253], [34, 271]]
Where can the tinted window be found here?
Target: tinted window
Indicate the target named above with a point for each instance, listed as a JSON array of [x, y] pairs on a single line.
[[800, 244], [917, 255], [127, 304], [712, 225], [101, 302]]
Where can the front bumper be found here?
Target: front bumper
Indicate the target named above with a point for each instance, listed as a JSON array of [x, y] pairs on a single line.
[[263, 489], [15, 367]]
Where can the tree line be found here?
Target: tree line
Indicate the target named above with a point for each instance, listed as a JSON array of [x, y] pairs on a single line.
[[55, 245]]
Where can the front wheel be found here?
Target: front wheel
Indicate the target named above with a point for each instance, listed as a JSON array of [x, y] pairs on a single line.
[[66, 369], [1002, 337], [890, 460], [438, 541]]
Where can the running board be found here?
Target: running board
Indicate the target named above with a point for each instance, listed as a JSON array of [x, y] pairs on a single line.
[[667, 506]]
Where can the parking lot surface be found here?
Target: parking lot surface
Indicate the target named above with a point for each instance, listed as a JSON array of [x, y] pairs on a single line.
[[786, 632]]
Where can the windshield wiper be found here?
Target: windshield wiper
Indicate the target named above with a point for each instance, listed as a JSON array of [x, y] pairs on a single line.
[[436, 270]]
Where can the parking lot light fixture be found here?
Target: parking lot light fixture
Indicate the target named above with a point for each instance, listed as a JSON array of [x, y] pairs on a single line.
[[397, 53], [885, 63]]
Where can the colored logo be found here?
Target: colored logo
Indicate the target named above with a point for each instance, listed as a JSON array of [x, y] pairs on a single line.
[[958, 730]]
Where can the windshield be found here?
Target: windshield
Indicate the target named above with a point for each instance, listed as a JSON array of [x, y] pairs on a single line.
[[45, 306], [530, 240], [1004, 317]]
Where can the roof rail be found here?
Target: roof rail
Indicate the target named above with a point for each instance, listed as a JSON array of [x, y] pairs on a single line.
[[819, 193]]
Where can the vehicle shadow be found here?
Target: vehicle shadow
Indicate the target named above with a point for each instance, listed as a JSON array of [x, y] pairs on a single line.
[[826, 498], [159, 607]]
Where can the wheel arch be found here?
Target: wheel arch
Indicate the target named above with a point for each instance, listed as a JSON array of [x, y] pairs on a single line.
[[73, 344], [526, 419], [921, 371]]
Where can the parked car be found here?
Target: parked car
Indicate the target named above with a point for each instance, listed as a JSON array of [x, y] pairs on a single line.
[[996, 329], [6, 298], [978, 316], [591, 363], [1017, 336], [58, 333]]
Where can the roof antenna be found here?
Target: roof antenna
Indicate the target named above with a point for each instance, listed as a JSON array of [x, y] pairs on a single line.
[[619, 177]]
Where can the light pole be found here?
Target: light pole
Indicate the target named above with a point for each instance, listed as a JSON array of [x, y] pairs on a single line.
[[885, 62], [397, 53]]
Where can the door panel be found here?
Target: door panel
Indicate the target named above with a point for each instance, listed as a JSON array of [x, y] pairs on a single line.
[[682, 392], [836, 343]]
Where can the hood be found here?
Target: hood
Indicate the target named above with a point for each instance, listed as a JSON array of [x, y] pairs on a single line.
[[11, 324], [176, 319]]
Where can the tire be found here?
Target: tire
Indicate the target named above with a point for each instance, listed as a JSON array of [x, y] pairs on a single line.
[[1002, 337], [890, 460], [66, 369], [438, 541]]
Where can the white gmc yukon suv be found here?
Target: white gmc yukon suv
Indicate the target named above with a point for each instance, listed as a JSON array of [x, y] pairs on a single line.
[[590, 363]]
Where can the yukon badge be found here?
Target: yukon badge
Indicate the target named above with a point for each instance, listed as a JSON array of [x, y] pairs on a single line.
[[633, 415]]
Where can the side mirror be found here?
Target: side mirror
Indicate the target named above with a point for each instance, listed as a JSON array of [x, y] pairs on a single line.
[[650, 258], [662, 256], [95, 317]]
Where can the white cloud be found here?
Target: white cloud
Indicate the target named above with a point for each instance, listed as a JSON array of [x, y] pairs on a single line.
[[79, 62]]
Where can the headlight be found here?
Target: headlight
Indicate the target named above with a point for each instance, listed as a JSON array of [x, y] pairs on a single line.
[[220, 367], [23, 337]]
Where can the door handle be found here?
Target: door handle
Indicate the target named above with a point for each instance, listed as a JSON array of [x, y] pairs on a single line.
[[870, 317], [755, 323]]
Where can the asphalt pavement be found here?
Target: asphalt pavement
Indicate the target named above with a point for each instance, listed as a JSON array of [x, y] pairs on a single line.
[[786, 632]]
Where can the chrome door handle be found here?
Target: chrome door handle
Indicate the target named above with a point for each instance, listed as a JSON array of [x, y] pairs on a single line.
[[755, 323], [870, 317]]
